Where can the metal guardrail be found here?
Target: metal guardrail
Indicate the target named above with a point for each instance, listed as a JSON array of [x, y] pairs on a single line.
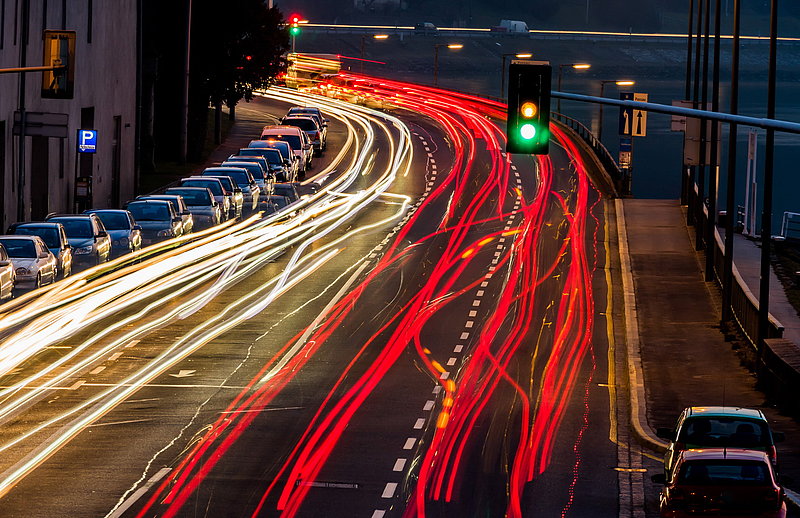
[[790, 225], [600, 150]]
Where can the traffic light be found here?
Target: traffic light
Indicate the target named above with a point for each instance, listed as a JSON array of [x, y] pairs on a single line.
[[528, 126], [294, 24], [59, 51]]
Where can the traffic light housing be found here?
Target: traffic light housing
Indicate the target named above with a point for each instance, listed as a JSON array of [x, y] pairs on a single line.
[[59, 51], [528, 124], [294, 24]]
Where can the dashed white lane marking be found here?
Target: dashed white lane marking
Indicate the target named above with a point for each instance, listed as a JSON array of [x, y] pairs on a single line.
[[476, 303], [427, 148], [480, 293], [114, 356], [388, 491], [444, 375], [464, 336], [484, 284], [139, 493], [469, 324], [419, 424], [458, 348], [399, 464], [410, 441], [437, 389], [473, 314], [98, 370], [451, 362], [378, 513], [77, 385], [428, 406], [132, 343]]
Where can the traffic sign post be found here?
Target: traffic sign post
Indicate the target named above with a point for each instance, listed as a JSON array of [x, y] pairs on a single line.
[[87, 141], [639, 117], [625, 115]]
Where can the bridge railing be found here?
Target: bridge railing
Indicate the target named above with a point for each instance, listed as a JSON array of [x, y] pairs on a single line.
[[599, 149]]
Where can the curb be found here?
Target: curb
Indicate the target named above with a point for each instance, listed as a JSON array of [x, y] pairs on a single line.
[[641, 427]]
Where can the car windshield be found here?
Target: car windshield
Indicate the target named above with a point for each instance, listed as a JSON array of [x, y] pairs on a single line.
[[49, 235], [20, 248], [721, 431], [303, 124], [77, 228], [240, 177], [254, 168], [149, 211], [282, 147], [171, 201], [727, 471], [214, 186], [292, 140], [192, 197], [114, 220]]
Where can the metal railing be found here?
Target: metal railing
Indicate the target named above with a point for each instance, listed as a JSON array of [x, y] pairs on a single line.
[[790, 225], [599, 149]]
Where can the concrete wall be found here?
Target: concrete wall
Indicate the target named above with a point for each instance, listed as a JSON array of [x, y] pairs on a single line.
[[105, 80]]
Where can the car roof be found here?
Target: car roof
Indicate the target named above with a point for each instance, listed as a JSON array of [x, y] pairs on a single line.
[[47, 224], [277, 130], [159, 197], [139, 200], [95, 211], [20, 237], [71, 216], [724, 453], [190, 189], [725, 411]]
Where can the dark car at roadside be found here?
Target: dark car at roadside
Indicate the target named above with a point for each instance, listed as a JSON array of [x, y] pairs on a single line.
[[157, 219], [91, 244], [125, 233]]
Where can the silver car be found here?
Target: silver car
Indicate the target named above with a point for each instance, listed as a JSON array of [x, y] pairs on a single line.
[[87, 236], [243, 179], [7, 275], [179, 205], [34, 264], [53, 236]]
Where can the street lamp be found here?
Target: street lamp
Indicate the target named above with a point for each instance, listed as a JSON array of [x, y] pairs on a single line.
[[603, 83], [363, 41], [576, 66], [518, 55], [451, 46]]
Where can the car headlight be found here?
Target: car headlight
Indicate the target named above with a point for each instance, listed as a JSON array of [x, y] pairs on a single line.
[[165, 233], [83, 250], [23, 271]]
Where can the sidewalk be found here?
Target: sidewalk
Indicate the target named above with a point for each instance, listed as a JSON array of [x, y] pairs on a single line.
[[684, 356]]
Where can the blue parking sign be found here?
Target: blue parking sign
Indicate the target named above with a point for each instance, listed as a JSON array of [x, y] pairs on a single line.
[[87, 141]]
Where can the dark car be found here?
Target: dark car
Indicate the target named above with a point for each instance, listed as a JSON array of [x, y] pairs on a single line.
[[178, 205], [204, 208], [288, 190], [309, 125], [125, 234], [263, 180], [54, 237], [223, 196], [243, 179], [275, 162], [298, 110], [721, 482], [157, 218], [91, 244], [425, 28]]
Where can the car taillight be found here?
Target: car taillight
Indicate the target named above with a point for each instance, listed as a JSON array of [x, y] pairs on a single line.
[[316, 136], [772, 453], [773, 498]]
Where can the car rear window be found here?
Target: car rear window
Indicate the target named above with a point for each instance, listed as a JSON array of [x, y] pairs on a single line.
[[727, 471], [293, 140], [252, 167], [192, 197], [148, 211], [48, 234], [114, 220], [21, 248], [76, 228], [731, 432], [303, 124]]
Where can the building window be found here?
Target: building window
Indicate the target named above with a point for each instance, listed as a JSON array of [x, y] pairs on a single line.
[[63, 15], [2, 23], [44, 15], [89, 21]]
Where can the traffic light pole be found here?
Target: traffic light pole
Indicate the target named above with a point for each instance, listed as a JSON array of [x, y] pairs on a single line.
[[23, 70]]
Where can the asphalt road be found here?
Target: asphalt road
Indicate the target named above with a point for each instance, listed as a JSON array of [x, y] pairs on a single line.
[[447, 354]]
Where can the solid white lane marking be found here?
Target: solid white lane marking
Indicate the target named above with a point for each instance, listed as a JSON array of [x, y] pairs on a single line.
[[451, 362], [399, 464], [388, 491], [458, 348], [419, 424], [98, 370], [428, 406], [139, 493], [409, 443]]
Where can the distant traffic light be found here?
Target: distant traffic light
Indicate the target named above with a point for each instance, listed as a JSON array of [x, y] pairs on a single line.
[[528, 126], [59, 51], [294, 24]]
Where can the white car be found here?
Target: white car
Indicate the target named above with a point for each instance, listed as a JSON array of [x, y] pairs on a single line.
[[34, 264], [7, 275]]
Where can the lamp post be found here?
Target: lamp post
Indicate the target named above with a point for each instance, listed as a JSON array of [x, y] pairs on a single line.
[[451, 46], [518, 55], [576, 66], [603, 83], [363, 41]]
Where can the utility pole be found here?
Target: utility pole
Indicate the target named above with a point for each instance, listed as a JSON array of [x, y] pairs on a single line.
[[713, 170], [184, 137], [23, 56]]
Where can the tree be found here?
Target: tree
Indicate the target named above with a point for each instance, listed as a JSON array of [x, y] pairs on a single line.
[[234, 53]]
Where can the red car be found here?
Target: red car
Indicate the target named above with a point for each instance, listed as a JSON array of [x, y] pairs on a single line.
[[721, 482]]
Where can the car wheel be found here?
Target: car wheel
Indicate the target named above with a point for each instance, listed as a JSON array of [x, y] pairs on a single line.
[[38, 280]]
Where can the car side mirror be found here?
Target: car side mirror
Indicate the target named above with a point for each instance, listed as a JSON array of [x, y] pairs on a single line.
[[660, 478], [102, 233], [778, 436], [237, 190], [665, 433], [137, 227]]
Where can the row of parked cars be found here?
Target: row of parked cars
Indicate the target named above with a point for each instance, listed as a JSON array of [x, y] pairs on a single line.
[[721, 461], [260, 177]]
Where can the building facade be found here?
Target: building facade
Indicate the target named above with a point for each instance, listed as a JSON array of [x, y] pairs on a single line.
[[41, 174]]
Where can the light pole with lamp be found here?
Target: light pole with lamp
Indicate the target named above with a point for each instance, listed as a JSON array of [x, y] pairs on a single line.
[[603, 83], [363, 41], [518, 55], [451, 46], [576, 66]]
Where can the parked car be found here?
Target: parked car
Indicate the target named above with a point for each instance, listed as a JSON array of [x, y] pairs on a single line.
[[87, 236], [297, 139], [54, 237], [273, 158], [291, 162], [287, 190], [34, 264], [180, 208], [316, 133], [243, 179], [204, 208], [7, 275], [311, 110], [223, 196], [125, 233], [721, 482], [717, 427], [237, 198], [157, 219], [278, 202], [264, 180]]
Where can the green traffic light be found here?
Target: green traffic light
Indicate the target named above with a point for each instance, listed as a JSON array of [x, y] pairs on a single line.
[[527, 131], [294, 31]]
